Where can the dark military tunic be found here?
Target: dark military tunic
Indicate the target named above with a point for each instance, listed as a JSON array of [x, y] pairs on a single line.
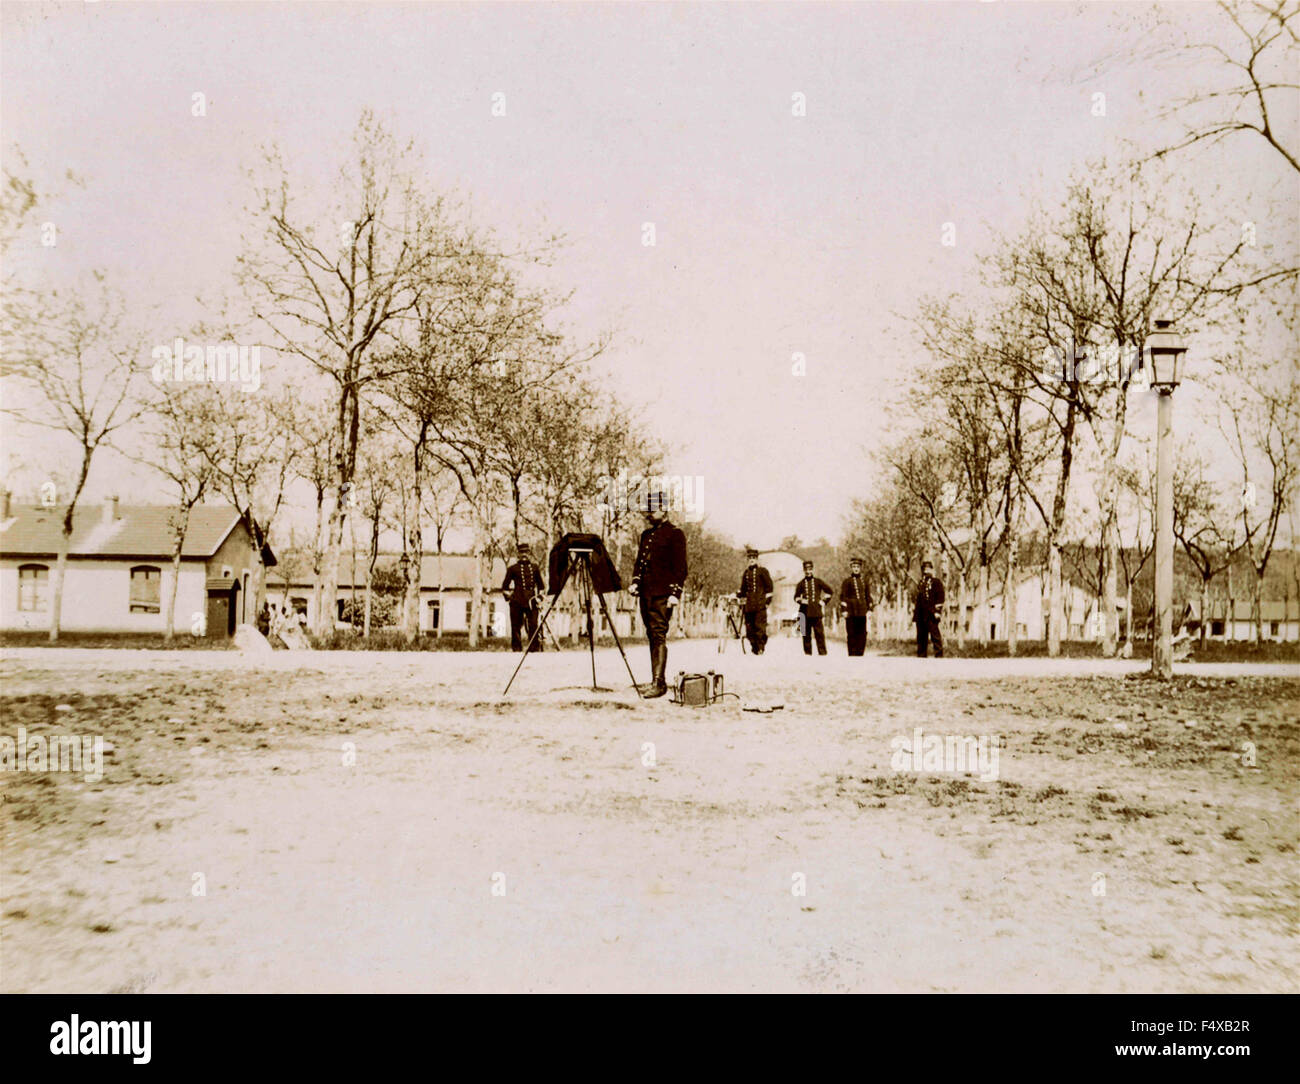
[[810, 595], [660, 567], [855, 601], [755, 593], [755, 588], [659, 572], [522, 585], [926, 611]]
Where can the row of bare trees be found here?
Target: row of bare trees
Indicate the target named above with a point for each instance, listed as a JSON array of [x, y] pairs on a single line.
[[419, 378], [1030, 394], [1025, 429]]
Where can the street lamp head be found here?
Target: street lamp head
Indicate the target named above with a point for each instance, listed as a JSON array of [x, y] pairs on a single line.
[[1166, 348]]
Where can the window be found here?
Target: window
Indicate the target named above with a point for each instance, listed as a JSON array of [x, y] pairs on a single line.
[[469, 614], [33, 588], [1021, 629], [299, 605], [492, 619], [1272, 629], [1216, 628], [435, 614], [145, 583]]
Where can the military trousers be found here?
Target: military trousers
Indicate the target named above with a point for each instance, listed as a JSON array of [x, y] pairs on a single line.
[[523, 617]]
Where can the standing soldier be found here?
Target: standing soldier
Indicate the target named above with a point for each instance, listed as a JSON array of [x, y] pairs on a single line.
[[927, 611], [658, 577], [810, 595], [855, 604], [755, 595], [521, 587]]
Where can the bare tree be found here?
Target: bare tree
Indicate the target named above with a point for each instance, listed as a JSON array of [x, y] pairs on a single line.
[[1094, 278], [380, 462], [1259, 65], [76, 363], [1204, 528], [180, 432], [253, 455], [333, 284], [312, 428], [1261, 420]]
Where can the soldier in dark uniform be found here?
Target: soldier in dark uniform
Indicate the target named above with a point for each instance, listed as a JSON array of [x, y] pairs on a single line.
[[521, 587], [928, 610], [810, 595], [658, 578], [755, 595], [855, 604]]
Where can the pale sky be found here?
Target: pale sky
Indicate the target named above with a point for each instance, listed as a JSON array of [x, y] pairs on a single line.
[[776, 234]]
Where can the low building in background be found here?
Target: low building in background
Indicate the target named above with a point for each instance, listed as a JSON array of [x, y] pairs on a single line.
[[119, 569], [1280, 619], [446, 590]]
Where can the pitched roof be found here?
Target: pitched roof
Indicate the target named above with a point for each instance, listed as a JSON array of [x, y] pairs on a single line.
[[139, 530]]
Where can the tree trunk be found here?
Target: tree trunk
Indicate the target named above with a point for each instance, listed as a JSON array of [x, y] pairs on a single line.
[[1109, 560], [370, 571], [982, 608], [1055, 603], [1229, 627], [169, 622], [961, 609], [476, 592], [1010, 594], [349, 431], [317, 555], [442, 598], [257, 587], [329, 579], [1257, 606], [415, 543], [56, 590]]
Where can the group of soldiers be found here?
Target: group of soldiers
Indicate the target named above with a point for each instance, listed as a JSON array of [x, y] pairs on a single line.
[[659, 578], [813, 594]]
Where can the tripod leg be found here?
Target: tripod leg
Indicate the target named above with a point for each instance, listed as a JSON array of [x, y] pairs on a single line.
[[546, 631], [537, 632], [587, 589], [618, 643]]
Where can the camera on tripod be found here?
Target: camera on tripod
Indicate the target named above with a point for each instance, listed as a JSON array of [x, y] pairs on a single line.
[[582, 558]]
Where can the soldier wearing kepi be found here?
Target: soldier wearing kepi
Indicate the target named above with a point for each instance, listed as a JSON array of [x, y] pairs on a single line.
[[855, 604], [658, 577], [521, 587], [811, 595], [928, 610], [755, 595]]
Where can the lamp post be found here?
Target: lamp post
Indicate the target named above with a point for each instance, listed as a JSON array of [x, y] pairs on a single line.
[[1166, 349]]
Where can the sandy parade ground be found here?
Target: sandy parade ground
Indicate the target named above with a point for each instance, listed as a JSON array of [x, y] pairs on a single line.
[[357, 821]]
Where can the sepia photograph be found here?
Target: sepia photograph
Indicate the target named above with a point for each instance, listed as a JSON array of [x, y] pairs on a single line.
[[650, 498]]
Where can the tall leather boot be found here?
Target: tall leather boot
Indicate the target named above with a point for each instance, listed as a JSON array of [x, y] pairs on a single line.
[[658, 663]]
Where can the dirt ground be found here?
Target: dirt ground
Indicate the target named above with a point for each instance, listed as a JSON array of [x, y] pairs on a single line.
[[386, 822]]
